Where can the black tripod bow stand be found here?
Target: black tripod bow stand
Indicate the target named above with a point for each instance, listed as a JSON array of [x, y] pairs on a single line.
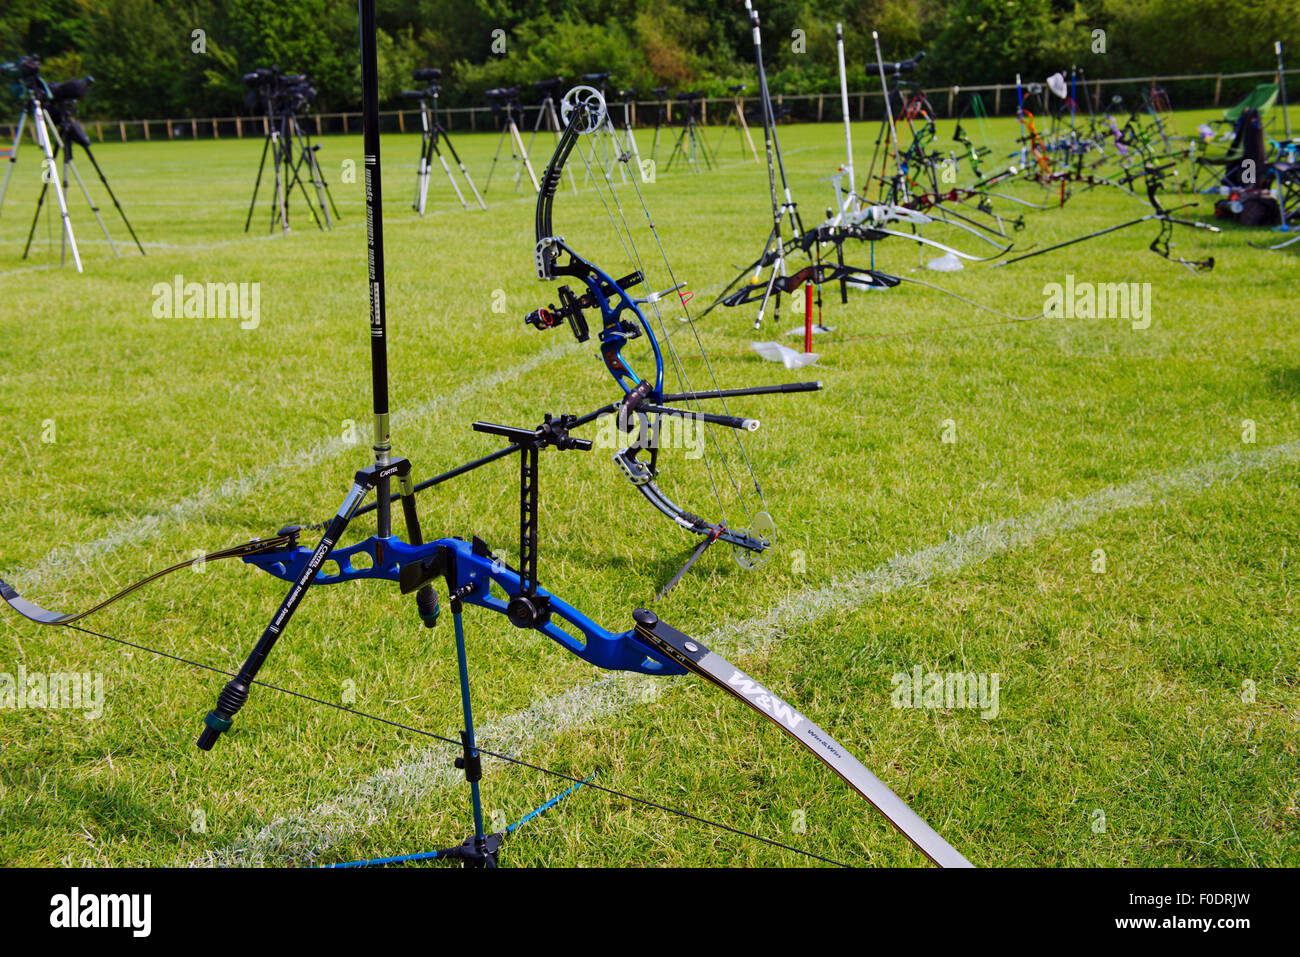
[[505, 104], [281, 97], [431, 131], [737, 118], [690, 145], [627, 141]]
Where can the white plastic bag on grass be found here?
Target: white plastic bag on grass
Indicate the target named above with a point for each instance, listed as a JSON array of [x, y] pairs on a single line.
[[775, 352]]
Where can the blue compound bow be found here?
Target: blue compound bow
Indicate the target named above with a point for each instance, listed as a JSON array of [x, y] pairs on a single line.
[[623, 320], [470, 573]]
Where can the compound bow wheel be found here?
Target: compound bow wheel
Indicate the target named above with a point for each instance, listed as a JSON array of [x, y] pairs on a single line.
[[590, 101]]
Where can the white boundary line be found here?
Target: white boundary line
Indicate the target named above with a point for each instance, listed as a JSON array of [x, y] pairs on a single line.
[[61, 561]]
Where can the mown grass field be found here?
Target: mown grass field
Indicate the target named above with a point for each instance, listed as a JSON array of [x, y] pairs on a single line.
[[1148, 714]]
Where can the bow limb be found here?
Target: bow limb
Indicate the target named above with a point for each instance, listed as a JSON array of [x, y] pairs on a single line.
[[768, 257], [586, 114], [642, 475], [42, 616], [1282, 245], [966, 227], [970, 302], [941, 246], [817, 274], [865, 233], [1014, 199], [698, 659]]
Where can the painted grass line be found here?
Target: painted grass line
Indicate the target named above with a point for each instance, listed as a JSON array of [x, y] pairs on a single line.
[[304, 837], [988, 540], [64, 560]]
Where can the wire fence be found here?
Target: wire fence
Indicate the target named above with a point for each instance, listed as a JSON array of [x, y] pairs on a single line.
[[1188, 91]]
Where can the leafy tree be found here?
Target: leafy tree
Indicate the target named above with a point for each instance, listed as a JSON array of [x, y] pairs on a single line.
[[140, 51]]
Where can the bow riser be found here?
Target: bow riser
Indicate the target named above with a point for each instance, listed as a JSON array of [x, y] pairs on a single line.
[[471, 573]]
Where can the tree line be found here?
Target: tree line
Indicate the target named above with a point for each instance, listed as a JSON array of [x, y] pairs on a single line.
[[180, 58]]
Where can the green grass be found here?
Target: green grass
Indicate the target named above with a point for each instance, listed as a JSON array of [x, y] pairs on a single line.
[[1121, 692]]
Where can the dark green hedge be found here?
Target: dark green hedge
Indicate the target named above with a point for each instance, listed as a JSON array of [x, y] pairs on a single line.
[[141, 52]]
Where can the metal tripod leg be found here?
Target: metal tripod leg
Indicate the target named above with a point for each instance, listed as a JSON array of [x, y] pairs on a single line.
[[519, 143], [257, 184], [13, 156], [433, 143], [112, 196], [51, 177], [69, 164], [421, 165], [463, 171]]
